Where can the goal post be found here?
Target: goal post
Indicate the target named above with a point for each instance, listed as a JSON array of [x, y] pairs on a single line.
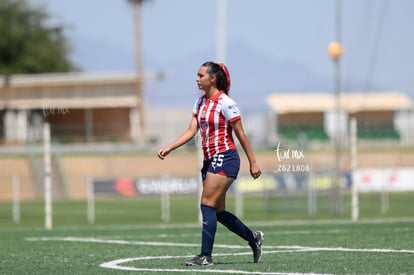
[[354, 166], [165, 206], [16, 198], [90, 202], [238, 203], [47, 175], [93, 188]]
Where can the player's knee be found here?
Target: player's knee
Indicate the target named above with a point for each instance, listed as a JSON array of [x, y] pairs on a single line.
[[208, 201]]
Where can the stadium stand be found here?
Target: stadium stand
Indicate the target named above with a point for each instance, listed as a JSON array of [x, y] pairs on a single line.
[[16, 166], [304, 115]]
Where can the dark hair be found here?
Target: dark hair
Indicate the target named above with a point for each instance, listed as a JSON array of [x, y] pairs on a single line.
[[221, 73]]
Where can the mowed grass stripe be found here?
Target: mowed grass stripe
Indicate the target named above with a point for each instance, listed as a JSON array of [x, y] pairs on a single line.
[[380, 248], [294, 242]]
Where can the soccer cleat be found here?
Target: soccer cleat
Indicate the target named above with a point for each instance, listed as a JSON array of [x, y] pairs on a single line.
[[256, 246], [200, 260]]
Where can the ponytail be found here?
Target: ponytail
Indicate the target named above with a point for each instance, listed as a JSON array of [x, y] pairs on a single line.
[[227, 76], [222, 75]]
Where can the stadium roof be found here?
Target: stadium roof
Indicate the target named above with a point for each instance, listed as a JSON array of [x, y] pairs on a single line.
[[375, 101], [52, 103], [300, 103], [71, 90], [351, 102], [74, 78]]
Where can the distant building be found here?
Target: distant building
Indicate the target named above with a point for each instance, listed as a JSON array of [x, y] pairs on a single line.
[[376, 112], [78, 106], [103, 107], [299, 116], [313, 116]]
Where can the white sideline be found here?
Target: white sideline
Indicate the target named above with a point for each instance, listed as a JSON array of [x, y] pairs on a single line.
[[117, 264], [286, 248]]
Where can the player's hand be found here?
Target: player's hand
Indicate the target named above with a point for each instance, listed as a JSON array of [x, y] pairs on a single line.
[[255, 171], [162, 153]]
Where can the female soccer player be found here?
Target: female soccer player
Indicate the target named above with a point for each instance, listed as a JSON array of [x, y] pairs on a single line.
[[217, 116]]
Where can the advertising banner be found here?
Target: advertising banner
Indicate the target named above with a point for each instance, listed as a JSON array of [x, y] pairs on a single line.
[[366, 180], [130, 187], [148, 186], [388, 179]]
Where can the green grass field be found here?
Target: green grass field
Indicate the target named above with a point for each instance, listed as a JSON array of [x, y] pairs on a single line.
[[128, 238]]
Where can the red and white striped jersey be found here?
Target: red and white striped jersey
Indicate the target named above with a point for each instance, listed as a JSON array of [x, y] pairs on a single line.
[[214, 116]]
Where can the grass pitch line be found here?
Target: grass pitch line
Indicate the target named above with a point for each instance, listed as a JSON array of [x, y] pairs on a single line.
[[117, 264], [228, 233], [284, 248], [95, 240], [296, 248], [120, 264]]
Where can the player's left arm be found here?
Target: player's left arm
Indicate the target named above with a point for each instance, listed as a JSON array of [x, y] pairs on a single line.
[[241, 136]]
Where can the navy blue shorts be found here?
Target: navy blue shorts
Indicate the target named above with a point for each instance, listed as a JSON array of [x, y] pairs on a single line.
[[226, 164]]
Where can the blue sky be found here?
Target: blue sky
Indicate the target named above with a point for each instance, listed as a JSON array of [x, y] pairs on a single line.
[[272, 45]]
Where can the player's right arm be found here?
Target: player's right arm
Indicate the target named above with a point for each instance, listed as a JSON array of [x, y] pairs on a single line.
[[185, 137]]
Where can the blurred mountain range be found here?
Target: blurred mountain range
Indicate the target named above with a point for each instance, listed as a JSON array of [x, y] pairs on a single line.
[[254, 75]]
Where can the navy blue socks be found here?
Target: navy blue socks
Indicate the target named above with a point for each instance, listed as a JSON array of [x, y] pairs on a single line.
[[209, 229], [210, 218], [235, 225]]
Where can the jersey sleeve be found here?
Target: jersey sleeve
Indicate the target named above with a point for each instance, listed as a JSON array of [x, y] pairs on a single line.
[[230, 110], [196, 107]]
